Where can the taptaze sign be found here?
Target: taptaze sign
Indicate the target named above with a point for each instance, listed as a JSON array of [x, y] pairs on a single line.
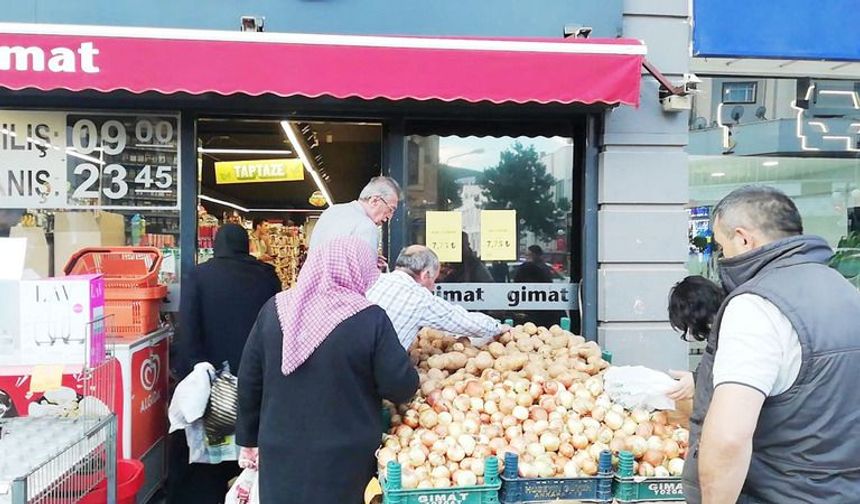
[[259, 170], [88, 160], [512, 296]]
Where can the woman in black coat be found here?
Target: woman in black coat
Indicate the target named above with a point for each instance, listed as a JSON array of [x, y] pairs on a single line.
[[317, 365], [220, 302]]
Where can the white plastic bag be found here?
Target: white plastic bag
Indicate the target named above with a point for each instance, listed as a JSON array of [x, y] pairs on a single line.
[[245, 489], [191, 397], [201, 452], [639, 387]]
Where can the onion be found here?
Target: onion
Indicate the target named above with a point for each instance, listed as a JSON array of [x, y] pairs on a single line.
[[444, 418], [491, 407], [646, 470], [565, 399], [520, 413], [638, 445], [682, 436], [476, 404], [404, 431], [428, 419], [545, 468], [629, 427], [385, 455], [507, 405], [655, 443], [471, 426], [551, 387], [527, 470], [417, 457], [566, 450], [571, 470], [640, 416], [449, 393], [497, 445], [676, 466], [462, 403], [436, 459], [408, 480], [548, 403], [455, 429], [473, 388], [428, 438], [535, 389], [465, 478], [535, 449], [671, 448], [589, 467], [538, 413], [660, 417], [550, 441], [425, 484], [541, 426], [513, 432], [456, 453], [580, 442], [613, 420], [618, 444], [441, 483], [524, 399], [653, 457], [591, 433], [605, 435], [645, 429], [467, 442], [591, 423], [575, 426], [598, 413], [661, 472]]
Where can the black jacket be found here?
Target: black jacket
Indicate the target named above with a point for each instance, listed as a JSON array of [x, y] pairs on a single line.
[[220, 302]]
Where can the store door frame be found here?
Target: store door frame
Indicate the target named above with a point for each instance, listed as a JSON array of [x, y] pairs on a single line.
[[586, 120]]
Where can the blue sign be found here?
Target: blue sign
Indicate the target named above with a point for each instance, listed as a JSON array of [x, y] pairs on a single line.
[[777, 29]]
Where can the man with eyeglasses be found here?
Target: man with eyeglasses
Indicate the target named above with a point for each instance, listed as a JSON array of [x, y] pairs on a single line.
[[361, 218]]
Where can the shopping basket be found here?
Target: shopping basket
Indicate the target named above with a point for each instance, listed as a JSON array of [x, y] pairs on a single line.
[[121, 267]]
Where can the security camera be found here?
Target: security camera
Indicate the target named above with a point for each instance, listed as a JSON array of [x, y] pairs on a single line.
[[691, 82], [577, 31], [252, 23]]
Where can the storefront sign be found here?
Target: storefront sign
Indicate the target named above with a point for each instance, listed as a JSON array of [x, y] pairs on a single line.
[[512, 296], [261, 170], [444, 235], [499, 235], [58, 160]]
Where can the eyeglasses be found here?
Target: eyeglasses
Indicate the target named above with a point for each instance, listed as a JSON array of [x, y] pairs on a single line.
[[392, 208]]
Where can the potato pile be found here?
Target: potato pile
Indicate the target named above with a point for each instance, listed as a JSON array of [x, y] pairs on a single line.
[[535, 392]]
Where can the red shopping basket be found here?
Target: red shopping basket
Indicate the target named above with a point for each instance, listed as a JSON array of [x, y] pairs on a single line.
[[132, 312], [129, 479], [121, 267]]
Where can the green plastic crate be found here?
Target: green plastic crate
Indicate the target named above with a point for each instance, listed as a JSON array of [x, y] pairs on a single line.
[[488, 493], [639, 489], [517, 490]]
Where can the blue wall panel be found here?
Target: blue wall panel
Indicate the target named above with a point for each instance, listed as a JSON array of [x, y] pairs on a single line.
[[781, 29], [410, 17]]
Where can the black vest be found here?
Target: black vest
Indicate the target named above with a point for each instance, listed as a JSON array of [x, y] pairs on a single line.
[[806, 447]]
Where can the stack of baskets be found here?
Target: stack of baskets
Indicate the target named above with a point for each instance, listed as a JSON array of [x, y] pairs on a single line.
[[132, 293]]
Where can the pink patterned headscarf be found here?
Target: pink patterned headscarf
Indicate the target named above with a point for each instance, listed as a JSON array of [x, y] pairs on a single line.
[[329, 290]]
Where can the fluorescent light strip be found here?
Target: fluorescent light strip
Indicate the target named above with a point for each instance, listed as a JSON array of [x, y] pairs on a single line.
[[222, 202], [300, 150], [203, 150]]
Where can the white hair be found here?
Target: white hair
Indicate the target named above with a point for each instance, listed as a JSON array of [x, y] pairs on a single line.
[[417, 259], [384, 187]]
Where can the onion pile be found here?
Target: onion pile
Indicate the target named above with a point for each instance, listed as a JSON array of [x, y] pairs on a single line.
[[535, 392]]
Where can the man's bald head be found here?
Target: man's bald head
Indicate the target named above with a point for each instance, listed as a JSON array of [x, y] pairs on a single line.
[[420, 263]]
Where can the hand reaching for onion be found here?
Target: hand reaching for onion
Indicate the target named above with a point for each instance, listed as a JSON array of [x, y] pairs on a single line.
[[684, 387]]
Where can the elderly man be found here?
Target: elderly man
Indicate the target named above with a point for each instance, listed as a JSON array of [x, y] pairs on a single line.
[[406, 295], [779, 376], [375, 205]]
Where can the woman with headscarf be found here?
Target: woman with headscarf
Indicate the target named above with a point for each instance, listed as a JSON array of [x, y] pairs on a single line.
[[317, 365], [220, 302]]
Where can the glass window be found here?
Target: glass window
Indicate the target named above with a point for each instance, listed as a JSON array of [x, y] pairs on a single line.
[[805, 143], [512, 203], [739, 92]]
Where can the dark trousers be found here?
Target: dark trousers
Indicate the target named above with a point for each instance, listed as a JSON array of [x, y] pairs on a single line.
[[196, 483]]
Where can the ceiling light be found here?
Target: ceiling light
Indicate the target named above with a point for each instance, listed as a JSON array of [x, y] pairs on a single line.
[[770, 163], [292, 134], [718, 174], [263, 152], [222, 202]]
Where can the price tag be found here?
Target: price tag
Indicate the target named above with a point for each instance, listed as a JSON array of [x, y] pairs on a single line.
[[498, 235], [444, 235], [45, 378], [122, 161]]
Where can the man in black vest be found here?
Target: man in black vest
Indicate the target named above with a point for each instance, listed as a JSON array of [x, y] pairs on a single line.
[[780, 379]]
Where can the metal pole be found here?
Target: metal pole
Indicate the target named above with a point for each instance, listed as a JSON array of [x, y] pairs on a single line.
[[188, 203], [589, 230], [110, 456], [394, 159]]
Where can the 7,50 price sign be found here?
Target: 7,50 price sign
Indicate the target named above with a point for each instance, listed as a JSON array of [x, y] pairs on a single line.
[[122, 161]]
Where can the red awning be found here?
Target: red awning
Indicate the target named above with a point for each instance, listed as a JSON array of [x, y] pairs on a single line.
[[76, 58]]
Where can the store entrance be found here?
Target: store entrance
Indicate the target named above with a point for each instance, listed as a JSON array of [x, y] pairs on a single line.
[[275, 177]]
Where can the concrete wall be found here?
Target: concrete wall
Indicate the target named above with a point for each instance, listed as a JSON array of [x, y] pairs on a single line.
[[643, 190]]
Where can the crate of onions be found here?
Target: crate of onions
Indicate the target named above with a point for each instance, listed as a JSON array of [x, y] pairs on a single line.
[[466, 489], [536, 393], [520, 490], [629, 487]]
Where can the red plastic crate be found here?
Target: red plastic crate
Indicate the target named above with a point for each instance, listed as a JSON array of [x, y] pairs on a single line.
[[121, 267]]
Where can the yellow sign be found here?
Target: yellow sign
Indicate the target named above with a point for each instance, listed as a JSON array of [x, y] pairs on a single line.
[[45, 378], [444, 235], [498, 235], [259, 170]]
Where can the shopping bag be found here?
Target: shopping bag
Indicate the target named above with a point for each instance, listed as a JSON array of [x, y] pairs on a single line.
[[639, 387], [223, 408], [245, 489], [203, 451], [191, 397]]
